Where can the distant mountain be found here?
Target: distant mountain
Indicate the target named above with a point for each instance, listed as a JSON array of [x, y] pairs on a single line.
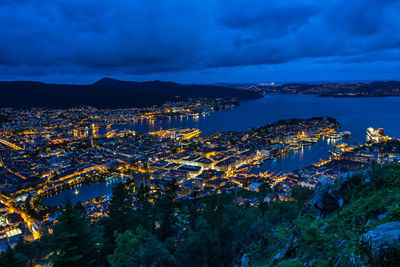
[[175, 89], [253, 88], [373, 89], [108, 93]]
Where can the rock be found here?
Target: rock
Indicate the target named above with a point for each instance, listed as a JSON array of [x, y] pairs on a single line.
[[382, 216], [340, 243], [244, 261], [329, 198], [341, 202], [382, 237], [278, 257], [353, 260], [326, 203], [370, 221], [323, 227], [376, 218]]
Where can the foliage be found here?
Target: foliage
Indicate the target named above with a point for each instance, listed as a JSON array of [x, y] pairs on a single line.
[[74, 241], [370, 200], [215, 231], [301, 194], [139, 249]]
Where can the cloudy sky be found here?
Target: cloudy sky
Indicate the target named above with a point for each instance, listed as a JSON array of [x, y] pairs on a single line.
[[205, 41]]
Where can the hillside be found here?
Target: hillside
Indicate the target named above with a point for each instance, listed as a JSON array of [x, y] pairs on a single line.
[[108, 93], [353, 222]]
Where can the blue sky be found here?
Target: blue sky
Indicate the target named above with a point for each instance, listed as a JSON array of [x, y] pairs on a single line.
[[199, 41]]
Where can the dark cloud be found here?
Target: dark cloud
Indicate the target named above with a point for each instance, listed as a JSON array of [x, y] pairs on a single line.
[[144, 37]]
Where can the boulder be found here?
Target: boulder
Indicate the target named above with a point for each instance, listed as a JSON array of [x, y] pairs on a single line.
[[329, 198], [383, 237], [325, 201]]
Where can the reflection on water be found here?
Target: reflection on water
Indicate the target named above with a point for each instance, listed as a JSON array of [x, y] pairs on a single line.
[[296, 159], [84, 192]]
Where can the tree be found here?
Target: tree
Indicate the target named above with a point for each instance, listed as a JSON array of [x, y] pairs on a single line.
[[263, 206], [143, 211], [120, 209], [166, 206], [27, 251], [73, 242], [301, 193], [193, 212], [9, 259], [265, 189], [120, 217], [377, 177], [193, 250]]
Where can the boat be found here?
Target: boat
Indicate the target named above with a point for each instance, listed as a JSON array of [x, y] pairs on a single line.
[[195, 115], [334, 135], [336, 152], [374, 135], [269, 158], [310, 140], [347, 134]]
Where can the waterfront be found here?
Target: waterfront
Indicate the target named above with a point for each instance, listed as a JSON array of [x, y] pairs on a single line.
[[83, 192], [303, 157], [354, 114]]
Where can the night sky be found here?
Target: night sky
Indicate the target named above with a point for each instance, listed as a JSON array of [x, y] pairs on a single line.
[[80, 41]]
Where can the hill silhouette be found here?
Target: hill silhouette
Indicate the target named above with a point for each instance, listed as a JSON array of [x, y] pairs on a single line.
[[373, 89], [108, 93]]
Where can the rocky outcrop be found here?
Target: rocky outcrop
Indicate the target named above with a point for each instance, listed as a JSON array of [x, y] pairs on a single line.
[[325, 201], [289, 249], [383, 237], [329, 198]]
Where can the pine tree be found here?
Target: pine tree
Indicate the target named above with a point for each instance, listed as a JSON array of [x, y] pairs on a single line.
[[166, 206], [74, 242], [27, 251], [143, 212], [120, 210], [9, 259], [119, 220], [139, 249]]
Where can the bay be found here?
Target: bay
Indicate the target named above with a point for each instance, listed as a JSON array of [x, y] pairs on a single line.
[[83, 192], [354, 114]]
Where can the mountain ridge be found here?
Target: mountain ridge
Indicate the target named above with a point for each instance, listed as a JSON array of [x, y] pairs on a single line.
[[360, 89], [108, 93]]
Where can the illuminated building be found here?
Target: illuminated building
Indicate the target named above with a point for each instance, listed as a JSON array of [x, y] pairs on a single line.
[[95, 130], [76, 133]]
